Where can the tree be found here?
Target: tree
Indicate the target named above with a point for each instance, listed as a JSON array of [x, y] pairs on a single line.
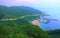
[[1, 15], [34, 31]]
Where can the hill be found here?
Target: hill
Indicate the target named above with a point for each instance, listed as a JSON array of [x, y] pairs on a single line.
[[20, 29], [54, 33], [17, 11]]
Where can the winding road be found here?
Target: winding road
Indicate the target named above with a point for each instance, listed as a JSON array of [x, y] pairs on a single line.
[[11, 19]]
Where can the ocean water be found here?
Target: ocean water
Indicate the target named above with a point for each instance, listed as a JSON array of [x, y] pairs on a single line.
[[52, 25]]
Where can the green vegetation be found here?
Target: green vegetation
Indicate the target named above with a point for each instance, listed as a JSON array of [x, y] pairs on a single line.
[[21, 28], [17, 11], [54, 33], [13, 29], [1, 15]]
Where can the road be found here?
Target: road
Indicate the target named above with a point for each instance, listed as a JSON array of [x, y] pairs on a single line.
[[11, 19]]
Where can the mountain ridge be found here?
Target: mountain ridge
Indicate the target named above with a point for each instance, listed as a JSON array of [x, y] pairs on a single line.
[[17, 11]]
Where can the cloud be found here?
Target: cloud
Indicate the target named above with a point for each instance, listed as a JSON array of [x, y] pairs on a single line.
[[18, 2], [53, 1], [29, 1], [25, 1]]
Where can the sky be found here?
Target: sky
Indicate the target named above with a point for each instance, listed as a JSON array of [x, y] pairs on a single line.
[[51, 7]]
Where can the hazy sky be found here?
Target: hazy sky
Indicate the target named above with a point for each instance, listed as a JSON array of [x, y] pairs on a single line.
[[51, 7], [44, 5], [34, 3]]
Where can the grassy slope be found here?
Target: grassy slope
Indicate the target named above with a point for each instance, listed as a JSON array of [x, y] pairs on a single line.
[[15, 27], [54, 33]]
